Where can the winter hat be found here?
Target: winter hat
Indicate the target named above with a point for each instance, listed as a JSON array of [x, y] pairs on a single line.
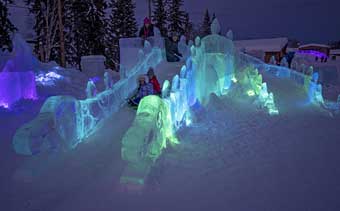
[[147, 20], [151, 72], [141, 78]]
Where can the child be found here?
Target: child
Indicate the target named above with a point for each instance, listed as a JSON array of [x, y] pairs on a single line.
[[144, 89], [153, 80]]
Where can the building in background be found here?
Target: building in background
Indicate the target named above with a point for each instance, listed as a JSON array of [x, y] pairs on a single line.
[[264, 49], [335, 54], [319, 51]]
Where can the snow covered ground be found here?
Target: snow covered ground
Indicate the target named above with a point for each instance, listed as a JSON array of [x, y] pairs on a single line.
[[233, 157]]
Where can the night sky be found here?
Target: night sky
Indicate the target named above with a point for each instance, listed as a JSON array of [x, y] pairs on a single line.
[[305, 20]]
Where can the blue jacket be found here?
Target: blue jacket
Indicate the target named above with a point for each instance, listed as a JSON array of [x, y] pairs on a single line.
[[145, 90]]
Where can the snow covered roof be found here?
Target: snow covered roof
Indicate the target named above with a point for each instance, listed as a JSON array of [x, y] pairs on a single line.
[[314, 45], [335, 52], [266, 45]]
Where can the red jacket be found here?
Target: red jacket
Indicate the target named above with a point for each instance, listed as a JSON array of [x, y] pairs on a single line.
[[155, 83]]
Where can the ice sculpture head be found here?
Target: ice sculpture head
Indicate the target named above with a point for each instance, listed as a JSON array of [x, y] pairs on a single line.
[[91, 90], [215, 27], [108, 81], [230, 35], [183, 71], [315, 77], [273, 60], [175, 83], [197, 41], [166, 89]]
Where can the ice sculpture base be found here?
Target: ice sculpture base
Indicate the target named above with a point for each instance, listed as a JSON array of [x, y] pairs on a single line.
[[15, 86]]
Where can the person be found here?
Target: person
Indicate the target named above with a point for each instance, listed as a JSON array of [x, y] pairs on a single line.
[[171, 46], [147, 29], [153, 80], [144, 89]]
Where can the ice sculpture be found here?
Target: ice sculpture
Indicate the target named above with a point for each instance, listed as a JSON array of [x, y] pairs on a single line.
[[54, 128], [17, 79], [183, 48], [272, 60], [295, 65], [197, 41], [145, 140], [284, 62], [64, 122], [48, 79], [147, 47], [214, 60], [191, 82], [190, 43], [175, 83], [230, 35], [183, 72], [91, 90], [166, 89], [108, 81]]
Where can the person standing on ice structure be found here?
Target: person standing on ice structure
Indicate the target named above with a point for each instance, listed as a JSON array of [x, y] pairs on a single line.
[[147, 30], [144, 89], [171, 47]]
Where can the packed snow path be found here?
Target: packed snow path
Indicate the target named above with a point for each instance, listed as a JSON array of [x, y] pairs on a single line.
[[234, 157]]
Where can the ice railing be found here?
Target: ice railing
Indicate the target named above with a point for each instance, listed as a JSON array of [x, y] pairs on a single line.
[[304, 76], [64, 122]]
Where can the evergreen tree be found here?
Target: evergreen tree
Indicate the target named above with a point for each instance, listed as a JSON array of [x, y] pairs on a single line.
[[6, 27], [130, 22], [205, 30], [85, 28], [70, 33], [176, 17], [45, 27], [160, 16], [188, 28], [122, 23]]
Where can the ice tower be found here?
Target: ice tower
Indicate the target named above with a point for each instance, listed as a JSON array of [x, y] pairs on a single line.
[[17, 78], [215, 62]]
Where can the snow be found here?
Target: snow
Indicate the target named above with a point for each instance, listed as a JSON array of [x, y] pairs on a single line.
[[314, 45], [233, 157], [265, 45]]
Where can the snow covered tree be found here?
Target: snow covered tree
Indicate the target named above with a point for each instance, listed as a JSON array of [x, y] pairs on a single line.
[[176, 17], [49, 29], [85, 28], [205, 29], [160, 16], [6, 27], [122, 23]]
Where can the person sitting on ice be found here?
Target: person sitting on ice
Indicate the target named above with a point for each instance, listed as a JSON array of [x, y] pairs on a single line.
[[171, 46], [153, 80], [144, 89], [147, 29]]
